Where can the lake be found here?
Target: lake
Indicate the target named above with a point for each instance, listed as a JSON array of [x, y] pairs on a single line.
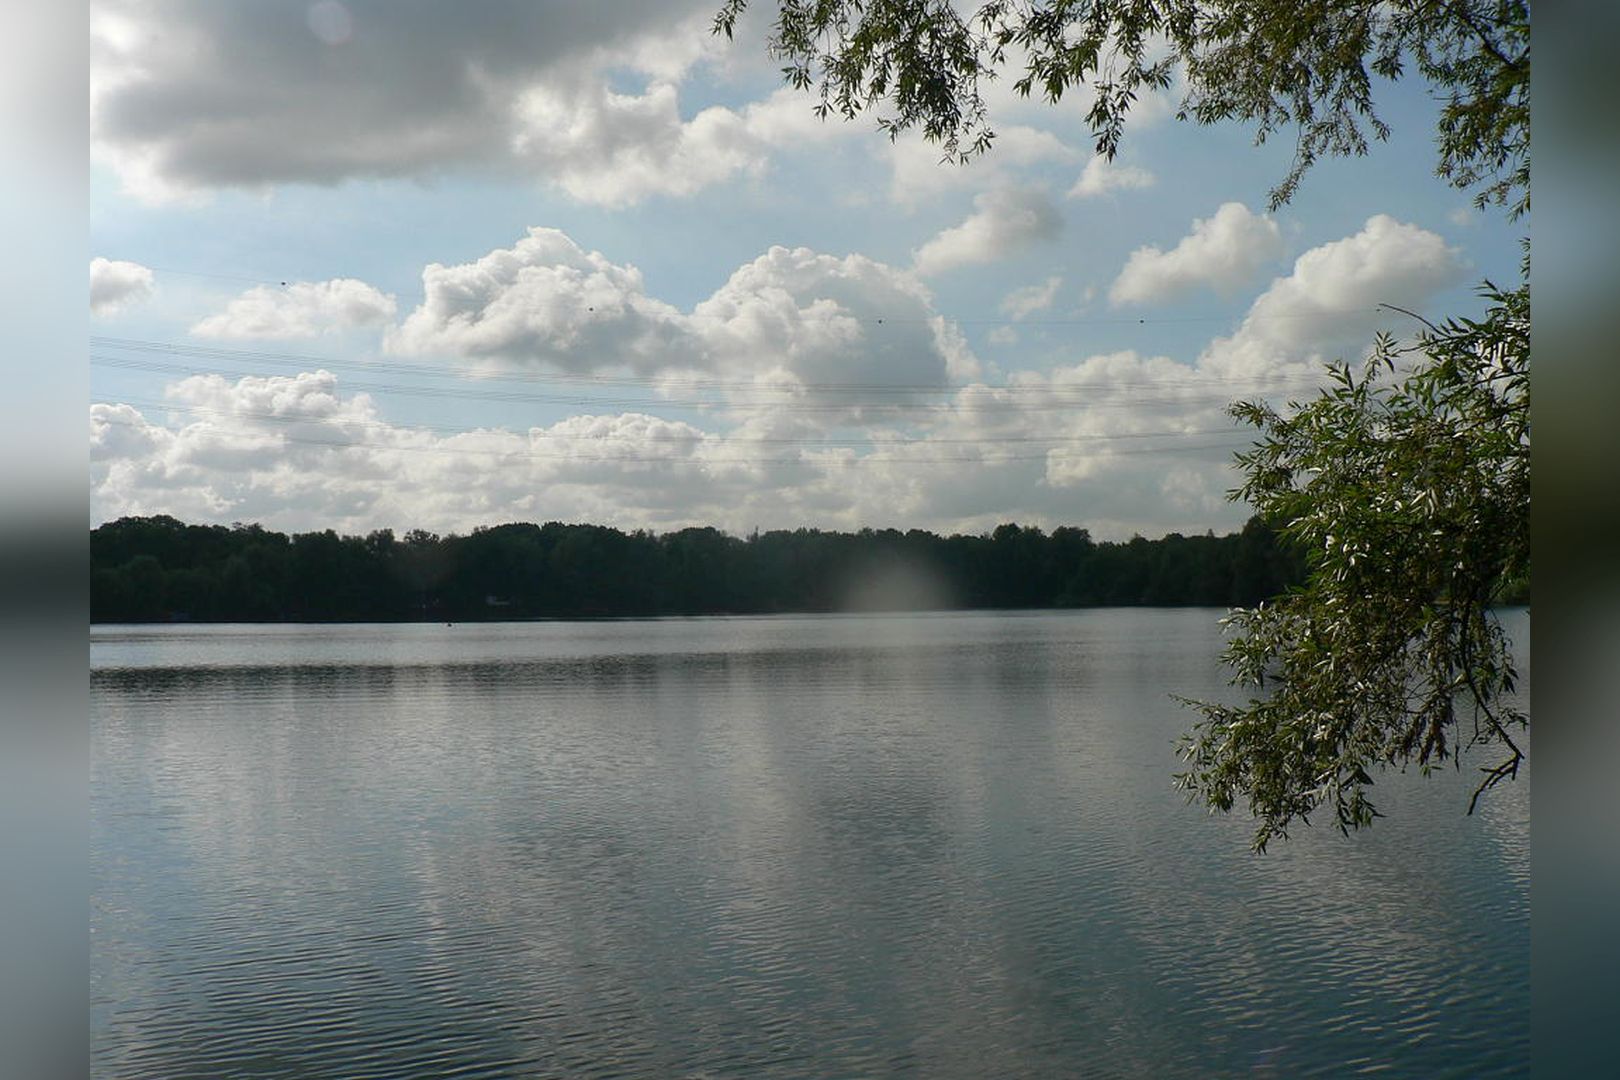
[[911, 845]]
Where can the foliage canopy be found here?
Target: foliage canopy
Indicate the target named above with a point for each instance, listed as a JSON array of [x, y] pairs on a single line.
[[1407, 485], [156, 569], [1305, 65], [1410, 503]]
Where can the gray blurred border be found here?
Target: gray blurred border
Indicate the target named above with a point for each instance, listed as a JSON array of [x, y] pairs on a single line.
[[1575, 901], [44, 757], [44, 746]]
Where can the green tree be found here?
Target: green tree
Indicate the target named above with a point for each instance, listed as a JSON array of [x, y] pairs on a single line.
[[1410, 501], [1406, 487], [1302, 65]]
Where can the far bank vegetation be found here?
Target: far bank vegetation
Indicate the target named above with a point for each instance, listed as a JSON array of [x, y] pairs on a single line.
[[157, 569]]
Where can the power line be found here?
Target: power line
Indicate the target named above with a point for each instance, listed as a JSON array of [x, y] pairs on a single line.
[[222, 277], [282, 359], [508, 454], [1051, 398], [844, 315], [707, 438]]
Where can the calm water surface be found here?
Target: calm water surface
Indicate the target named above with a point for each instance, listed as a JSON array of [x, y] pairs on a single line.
[[935, 846]]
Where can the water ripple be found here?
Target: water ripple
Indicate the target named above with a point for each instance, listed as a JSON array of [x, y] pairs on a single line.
[[937, 847]]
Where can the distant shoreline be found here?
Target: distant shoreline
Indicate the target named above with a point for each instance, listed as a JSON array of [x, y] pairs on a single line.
[[530, 619], [666, 617], [158, 570]]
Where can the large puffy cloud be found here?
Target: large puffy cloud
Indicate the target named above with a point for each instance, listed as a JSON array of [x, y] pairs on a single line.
[[821, 319], [115, 285], [1004, 222], [1224, 252], [191, 95], [303, 309], [1123, 442], [546, 301], [615, 149], [295, 452], [1329, 302], [278, 435], [1120, 442], [790, 321], [307, 398]]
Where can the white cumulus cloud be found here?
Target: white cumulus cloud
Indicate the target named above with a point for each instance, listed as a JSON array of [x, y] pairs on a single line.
[[296, 453], [845, 401], [190, 95], [1024, 302], [1224, 252], [1101, 176], [116, 285], [301, 309], [918, 172], [616, 149], [1076, 445], [1004, 222], [819, 318], [1329, 302], [790, 318], [545, 301]]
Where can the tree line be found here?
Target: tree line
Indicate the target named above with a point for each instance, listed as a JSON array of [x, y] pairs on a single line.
[[155, 569]]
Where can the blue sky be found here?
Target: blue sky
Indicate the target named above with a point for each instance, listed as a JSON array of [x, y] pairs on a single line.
[[377, 264]]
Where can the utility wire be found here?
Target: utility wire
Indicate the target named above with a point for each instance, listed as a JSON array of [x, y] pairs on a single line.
[[1191, 378], [1051, 398], [706, 438], [512, 454]]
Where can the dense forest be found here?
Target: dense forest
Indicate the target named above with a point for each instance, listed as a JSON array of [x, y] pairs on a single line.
[[153, 569]]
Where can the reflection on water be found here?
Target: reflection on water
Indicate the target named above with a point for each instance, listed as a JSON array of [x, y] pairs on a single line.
[[927, 845]]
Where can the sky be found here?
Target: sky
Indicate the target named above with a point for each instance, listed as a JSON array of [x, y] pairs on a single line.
[[402, 264]]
